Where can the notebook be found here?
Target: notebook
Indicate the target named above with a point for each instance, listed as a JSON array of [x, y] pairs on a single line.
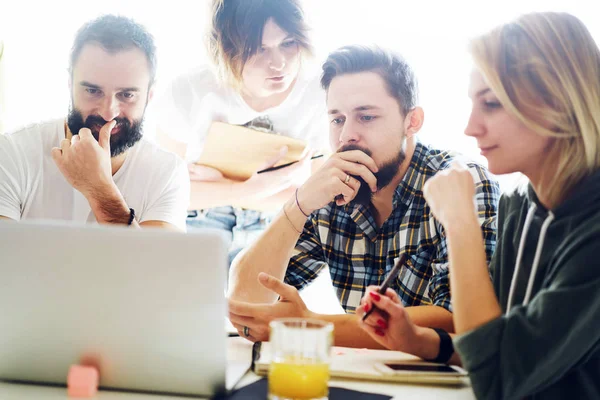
[[238, 152], [362, 364]]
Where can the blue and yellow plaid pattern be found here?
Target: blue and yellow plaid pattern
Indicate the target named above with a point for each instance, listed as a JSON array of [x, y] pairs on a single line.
[[359, 253]]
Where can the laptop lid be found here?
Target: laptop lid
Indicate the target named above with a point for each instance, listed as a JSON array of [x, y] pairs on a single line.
[[145, 306]]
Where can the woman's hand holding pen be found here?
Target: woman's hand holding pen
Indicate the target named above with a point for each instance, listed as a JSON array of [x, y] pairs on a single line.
[[389, 324], [335, 178], [263, 185], [260, 185]]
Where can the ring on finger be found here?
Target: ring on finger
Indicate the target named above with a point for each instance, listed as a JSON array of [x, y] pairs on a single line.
[[246, 331], [347, 178]]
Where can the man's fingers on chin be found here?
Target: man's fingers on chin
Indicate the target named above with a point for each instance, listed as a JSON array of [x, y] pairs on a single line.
[[340, 200], [85, 133]]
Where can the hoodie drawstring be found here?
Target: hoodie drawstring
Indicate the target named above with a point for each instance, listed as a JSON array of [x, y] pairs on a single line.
[[536, 260], [538, 254]]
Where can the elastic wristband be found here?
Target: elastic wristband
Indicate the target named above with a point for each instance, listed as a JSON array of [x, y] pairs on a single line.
[[131, 216], [446, 347], [298, 204]]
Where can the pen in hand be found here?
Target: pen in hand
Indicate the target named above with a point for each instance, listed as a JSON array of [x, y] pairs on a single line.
[[285, 165], [388, 281]]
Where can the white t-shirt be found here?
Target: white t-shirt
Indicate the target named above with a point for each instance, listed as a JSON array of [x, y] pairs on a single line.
[[153, 182], [195, 99]]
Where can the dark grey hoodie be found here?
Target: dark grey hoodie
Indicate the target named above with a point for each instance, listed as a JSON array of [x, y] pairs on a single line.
[[546, 274]]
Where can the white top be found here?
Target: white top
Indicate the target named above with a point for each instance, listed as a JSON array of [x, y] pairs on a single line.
[[153, 182], [195, 99]]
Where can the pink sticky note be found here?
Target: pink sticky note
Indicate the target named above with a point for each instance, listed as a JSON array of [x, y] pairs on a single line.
[[82, 381]]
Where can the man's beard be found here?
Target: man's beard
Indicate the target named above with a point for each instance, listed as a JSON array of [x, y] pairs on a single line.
[[384, 176], [129, 133]]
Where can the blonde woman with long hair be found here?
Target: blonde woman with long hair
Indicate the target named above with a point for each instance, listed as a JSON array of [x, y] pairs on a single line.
[[534, 329]]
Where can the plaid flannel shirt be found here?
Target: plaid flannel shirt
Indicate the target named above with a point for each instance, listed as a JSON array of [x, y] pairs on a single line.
[[359, 253]]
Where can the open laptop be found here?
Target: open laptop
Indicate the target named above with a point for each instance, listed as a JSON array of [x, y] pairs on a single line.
[[145, 307]]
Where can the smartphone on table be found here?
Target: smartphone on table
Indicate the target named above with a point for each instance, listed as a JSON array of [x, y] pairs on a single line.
[[423, 372]]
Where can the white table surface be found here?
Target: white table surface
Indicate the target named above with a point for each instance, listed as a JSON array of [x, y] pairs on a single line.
[[238, 349]]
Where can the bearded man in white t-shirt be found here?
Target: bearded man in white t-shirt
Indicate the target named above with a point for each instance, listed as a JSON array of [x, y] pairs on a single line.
[[95, 166]]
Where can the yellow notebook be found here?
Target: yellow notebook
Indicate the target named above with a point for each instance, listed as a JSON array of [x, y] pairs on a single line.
[[238, 152]]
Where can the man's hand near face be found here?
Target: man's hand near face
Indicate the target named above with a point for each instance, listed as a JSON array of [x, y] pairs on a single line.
[[86, 165], [337, 176], [335, 180]]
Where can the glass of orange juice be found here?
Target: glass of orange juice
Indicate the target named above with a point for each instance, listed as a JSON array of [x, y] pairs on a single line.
[[301, 351]]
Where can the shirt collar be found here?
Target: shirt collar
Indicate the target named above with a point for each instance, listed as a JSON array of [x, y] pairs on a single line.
[[414, 179]]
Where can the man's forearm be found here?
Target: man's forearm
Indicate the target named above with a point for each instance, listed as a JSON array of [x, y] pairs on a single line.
[[109, 207], [270, 253], [347, 330], [431, 317]]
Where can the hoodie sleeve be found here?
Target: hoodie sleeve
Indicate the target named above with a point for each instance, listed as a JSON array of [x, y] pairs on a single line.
[[533, 346]]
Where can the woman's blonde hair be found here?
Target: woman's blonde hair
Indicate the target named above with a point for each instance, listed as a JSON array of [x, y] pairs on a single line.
[[236, 30], [545, 69]]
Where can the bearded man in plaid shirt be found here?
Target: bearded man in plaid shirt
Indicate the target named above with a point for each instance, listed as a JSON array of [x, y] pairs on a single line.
[[361, 210]]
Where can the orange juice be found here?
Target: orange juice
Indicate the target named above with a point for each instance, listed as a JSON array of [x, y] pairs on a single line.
[[298, 380]]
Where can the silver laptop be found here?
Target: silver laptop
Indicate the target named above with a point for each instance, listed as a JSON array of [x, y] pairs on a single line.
[[145, 307]]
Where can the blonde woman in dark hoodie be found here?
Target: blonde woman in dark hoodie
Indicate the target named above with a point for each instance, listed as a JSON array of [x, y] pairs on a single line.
[[534, 330]]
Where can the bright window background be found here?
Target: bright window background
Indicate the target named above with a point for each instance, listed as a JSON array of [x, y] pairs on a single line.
[[432, 35]]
